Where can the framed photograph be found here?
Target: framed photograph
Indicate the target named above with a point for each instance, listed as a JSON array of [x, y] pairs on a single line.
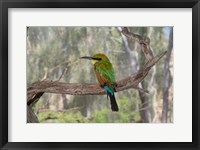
[[112, 75]]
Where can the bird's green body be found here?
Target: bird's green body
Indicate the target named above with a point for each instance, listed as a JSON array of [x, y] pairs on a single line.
[[105, 75], [104, 71]]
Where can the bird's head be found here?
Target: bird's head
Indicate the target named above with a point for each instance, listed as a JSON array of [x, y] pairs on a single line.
[[96, 58]]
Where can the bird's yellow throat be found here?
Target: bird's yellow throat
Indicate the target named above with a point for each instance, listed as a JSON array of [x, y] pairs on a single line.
[[94, 61]]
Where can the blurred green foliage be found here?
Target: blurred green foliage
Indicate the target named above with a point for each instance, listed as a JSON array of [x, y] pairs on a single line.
[[104, 115], [61, 117]]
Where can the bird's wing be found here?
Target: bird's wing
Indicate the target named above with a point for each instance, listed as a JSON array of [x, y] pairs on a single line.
[[102, 80], [105, 73]]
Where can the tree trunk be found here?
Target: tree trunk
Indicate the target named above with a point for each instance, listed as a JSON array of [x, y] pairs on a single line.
[[167, 80], [146, 111], [31, 117]]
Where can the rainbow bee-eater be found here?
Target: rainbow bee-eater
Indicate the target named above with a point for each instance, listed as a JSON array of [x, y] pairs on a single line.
[[105, 75]]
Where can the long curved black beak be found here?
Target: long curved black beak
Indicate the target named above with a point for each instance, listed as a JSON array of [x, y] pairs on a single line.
[[90, 58], [86, 57]]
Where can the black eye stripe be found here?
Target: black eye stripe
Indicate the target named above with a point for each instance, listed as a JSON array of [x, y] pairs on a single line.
[[90, 58], [96, 58]]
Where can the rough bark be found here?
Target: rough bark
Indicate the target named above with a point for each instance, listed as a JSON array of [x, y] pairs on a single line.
[[36, 90], [31, 117]]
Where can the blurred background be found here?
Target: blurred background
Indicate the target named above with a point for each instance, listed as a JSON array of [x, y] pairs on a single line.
[[50, 50]]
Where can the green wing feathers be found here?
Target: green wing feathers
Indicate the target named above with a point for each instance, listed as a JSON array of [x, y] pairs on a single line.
[[106, 77], [106, 72]]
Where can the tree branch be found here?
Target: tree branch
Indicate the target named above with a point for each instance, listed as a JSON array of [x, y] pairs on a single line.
[[90, 89], [143, 41]]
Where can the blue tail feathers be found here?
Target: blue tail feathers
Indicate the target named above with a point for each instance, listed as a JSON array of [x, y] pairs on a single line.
[[109, 90], [113, 102]]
